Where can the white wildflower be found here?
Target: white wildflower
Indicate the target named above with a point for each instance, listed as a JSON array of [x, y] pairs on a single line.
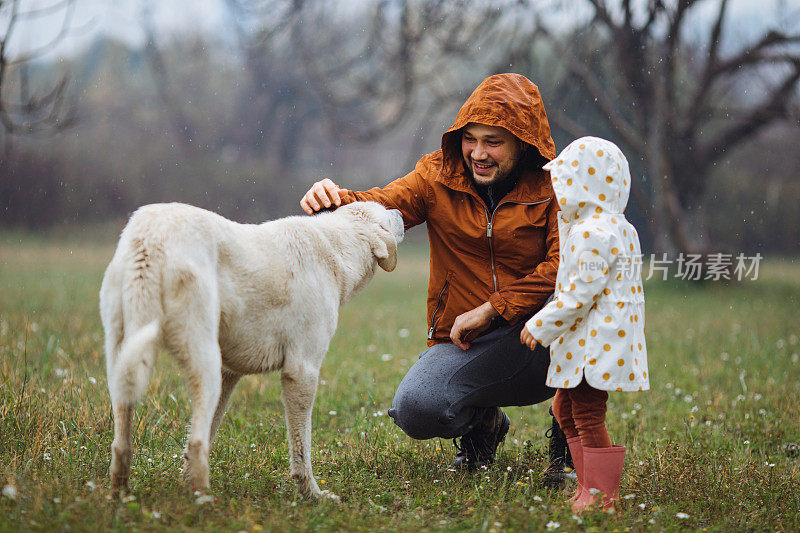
[[682, 516], [403, 333], [91, 485], [537, 498], [10, 492], [332, 413], [386, 357], [553, 525]]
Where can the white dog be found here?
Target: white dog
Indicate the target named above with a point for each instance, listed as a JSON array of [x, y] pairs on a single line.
[[228, 299]]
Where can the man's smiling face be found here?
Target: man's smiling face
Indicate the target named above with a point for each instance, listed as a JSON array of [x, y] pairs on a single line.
[[490, 152]]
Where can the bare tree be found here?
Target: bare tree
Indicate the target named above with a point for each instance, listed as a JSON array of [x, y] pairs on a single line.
[[678, 104], [24, 111], [180, 121], [371, 69]]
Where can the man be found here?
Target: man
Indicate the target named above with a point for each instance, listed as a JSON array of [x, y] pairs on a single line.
[[492, 225]]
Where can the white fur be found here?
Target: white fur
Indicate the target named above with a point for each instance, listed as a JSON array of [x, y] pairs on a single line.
[[228, 299]]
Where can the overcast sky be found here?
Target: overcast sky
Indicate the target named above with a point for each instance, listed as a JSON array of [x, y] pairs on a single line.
[[121, 19]]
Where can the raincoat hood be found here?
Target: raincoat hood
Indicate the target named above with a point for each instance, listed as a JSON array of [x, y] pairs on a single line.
[[590, 176], [510, 101]]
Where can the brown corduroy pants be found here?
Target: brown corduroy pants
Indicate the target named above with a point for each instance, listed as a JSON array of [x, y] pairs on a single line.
[[582, 412]]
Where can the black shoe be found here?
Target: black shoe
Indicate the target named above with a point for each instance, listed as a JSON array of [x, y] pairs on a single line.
[[479, 445], [560, 466]]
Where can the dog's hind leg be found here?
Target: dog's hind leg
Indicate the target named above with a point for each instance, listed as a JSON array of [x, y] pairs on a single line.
[[113, 328], [202, 369], [190, 334], [299, 383], [229, 381], [121, 446]]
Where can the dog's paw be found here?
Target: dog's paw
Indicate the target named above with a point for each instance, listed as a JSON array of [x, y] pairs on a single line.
[[329, 496]]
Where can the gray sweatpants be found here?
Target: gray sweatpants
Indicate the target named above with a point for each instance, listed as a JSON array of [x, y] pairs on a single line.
[[441, 394]]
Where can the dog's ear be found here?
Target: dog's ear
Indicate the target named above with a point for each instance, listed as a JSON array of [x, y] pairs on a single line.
[[384, 248]]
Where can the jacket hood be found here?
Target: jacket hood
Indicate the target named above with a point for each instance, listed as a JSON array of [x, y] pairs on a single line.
[[590, 176], [510, 101]]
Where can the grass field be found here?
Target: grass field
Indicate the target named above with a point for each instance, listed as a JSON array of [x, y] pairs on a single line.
[[707, 446]]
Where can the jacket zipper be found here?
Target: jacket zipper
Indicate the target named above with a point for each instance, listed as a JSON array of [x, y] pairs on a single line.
[[490, 224], [438, 305]]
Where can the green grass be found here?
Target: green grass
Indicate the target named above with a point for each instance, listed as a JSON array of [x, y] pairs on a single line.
[[706, 441]]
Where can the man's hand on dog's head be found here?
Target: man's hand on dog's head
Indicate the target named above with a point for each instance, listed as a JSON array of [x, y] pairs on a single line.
[[322, 195]]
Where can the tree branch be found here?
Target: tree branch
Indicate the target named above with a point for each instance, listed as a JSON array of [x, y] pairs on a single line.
[[775, 107], [604, 102], [33, 113]]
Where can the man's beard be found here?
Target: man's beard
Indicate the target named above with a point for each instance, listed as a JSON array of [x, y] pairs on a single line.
[[498, 176]]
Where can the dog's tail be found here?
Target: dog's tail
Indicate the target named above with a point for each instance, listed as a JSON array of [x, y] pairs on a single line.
[[134, 366], [142, 318]]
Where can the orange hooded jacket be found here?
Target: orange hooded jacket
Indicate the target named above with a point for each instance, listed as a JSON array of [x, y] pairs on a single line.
[[509, 257]]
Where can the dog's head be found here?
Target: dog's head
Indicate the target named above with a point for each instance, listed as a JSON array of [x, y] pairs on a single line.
[[385, 233]]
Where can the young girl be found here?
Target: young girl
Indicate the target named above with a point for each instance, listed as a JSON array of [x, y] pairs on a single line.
[[595, 323]]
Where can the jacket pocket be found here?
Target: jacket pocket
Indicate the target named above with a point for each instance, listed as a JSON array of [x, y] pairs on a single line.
[[438, 311]]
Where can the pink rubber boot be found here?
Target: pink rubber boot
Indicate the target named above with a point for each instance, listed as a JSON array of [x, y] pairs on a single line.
[[576, 450], [602, 472]]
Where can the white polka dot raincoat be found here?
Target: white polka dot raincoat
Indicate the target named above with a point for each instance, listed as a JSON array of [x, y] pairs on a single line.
[[595, 323]]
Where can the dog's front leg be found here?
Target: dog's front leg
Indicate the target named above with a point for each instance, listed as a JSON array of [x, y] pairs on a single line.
[[299, 388]]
